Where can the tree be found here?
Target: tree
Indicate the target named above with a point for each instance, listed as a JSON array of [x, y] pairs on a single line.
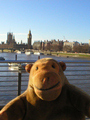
[[81, 49], [67, 48]]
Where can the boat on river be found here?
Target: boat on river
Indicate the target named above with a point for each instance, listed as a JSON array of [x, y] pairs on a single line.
[[38, 53], [19, 52], [17, 66], [28, 52], [2, 58]]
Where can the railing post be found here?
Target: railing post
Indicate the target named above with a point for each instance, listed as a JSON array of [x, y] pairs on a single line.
[[16, 57], [38, 57], [19, 81]]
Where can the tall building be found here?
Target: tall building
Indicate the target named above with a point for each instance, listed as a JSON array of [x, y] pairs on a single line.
[[11, 43], [10, 38], [29, 40]]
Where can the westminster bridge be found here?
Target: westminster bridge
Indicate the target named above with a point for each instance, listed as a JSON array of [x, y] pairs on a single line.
[[7, 49]]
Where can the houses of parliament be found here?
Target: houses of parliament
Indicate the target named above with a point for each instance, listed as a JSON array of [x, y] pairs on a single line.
[[11, 43]]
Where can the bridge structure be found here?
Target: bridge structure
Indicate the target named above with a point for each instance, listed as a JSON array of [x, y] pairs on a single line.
[[7, 50]]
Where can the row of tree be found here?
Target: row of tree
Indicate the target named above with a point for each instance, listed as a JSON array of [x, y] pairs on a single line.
[[55, 47], [78, 49]]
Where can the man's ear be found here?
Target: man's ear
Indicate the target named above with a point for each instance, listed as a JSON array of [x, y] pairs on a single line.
[[63, 65], [28, 67]]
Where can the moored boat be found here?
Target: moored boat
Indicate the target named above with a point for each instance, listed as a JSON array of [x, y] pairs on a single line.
[[38, 53], [16, 66], [19, 52], [28, 52], [2, 58]]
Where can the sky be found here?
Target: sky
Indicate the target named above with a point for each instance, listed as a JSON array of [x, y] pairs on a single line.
[[47, 20]]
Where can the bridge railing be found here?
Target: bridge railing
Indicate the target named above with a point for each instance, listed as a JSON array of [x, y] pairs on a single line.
[[14, 79]]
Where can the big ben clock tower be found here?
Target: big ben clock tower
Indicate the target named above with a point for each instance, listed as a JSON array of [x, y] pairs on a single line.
[[29, 40]]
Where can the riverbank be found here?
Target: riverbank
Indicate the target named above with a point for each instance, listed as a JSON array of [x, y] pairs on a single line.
[[78, 55], [61, 54], [65, 54]]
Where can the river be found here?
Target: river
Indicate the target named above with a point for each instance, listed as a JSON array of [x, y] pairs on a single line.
[[11, 56]]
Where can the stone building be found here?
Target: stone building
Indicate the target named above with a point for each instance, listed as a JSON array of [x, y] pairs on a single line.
[[10, 38], [48, 45], [71, 44], [37, 45], [11, 43], [68, 46], [29, 40]]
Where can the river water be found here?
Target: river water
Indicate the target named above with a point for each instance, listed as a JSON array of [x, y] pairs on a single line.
[[8, 85], [11, 56]]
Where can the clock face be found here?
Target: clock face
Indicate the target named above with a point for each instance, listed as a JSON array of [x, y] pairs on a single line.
[[29, 36]]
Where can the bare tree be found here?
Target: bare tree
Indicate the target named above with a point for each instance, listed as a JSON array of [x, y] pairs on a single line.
[[81, 49], [67, 48]]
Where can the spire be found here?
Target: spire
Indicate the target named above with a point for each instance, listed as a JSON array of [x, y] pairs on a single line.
[[29, 34], [29, 39], [29, 31]]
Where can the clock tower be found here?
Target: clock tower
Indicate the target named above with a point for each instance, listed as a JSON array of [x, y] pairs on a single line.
[[29, 40]]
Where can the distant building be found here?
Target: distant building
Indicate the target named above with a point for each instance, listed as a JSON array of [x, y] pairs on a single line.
[[37, 45], [83, 44], [48, 45], [10, 38], [71, 44], [29, 40], [11, 43]]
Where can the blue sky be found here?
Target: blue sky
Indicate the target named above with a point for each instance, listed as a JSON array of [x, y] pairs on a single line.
[[47, 19]]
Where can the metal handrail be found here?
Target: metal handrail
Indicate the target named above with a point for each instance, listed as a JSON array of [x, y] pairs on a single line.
[[13, 83]]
